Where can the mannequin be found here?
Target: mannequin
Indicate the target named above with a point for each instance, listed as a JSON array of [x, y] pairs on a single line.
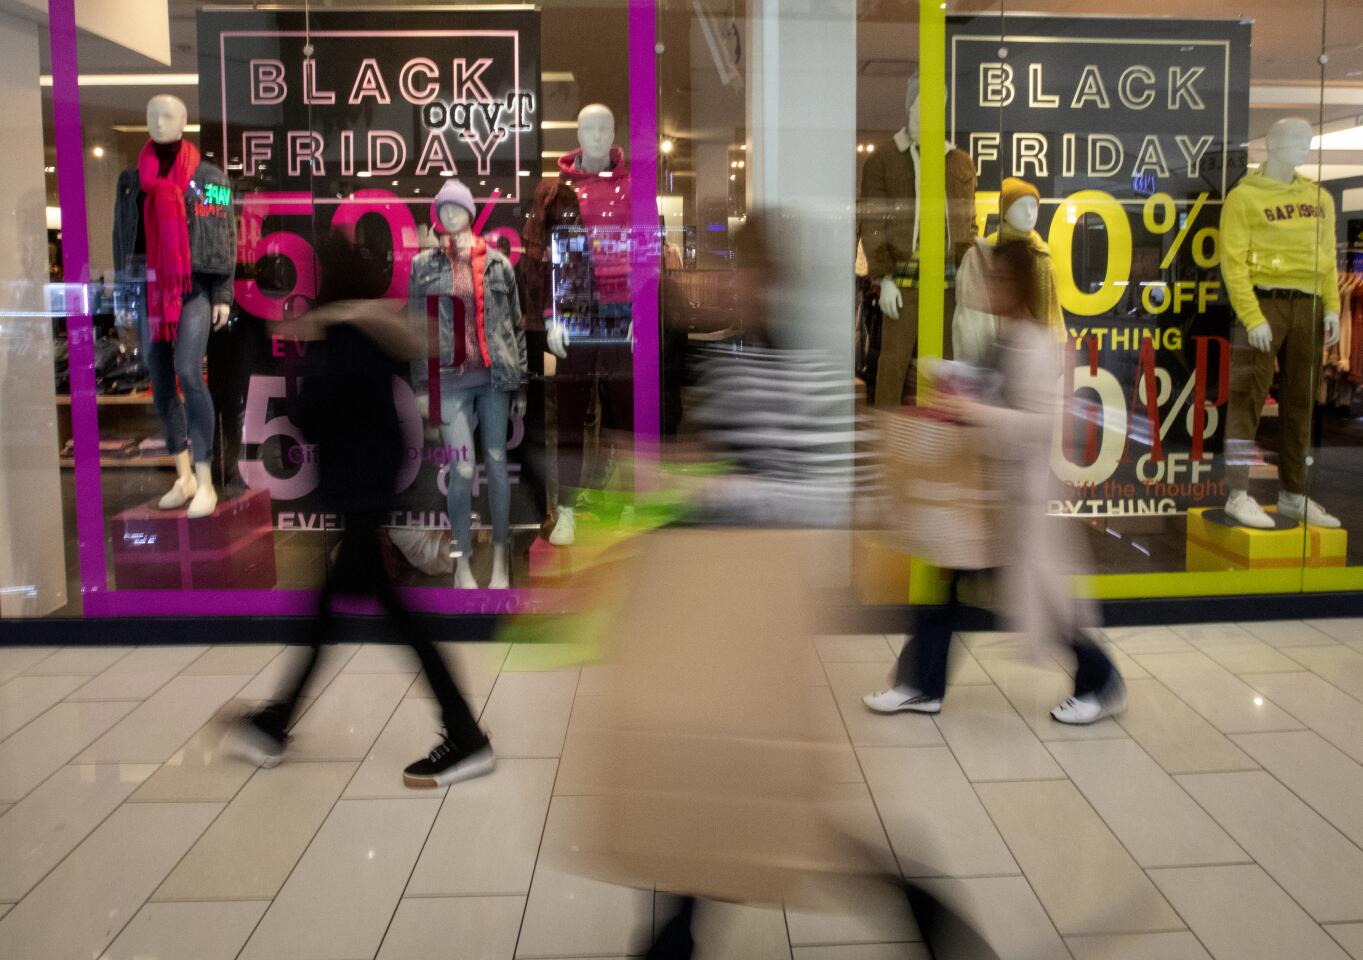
[[465, 293], [175, 247], [890, 228], [602, 361], [1278, 261]]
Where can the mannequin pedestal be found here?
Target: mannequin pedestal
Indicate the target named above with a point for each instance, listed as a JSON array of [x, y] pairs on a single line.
[[1215, 543], [232, 548]]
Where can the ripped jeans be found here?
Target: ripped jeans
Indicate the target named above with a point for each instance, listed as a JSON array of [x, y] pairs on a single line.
[[490, 408]]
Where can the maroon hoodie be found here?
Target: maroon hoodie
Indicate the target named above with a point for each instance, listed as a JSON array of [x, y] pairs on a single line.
[[604, 201]]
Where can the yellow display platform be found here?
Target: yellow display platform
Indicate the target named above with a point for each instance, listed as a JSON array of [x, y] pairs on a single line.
[[1213, 545]]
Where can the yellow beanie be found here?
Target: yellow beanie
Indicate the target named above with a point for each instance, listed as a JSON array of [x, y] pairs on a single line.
[[1014, 190]]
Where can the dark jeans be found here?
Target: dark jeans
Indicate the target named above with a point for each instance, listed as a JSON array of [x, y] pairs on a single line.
[[588, 368], [360, 572], [923, 661], [233, 353], [177, 368]]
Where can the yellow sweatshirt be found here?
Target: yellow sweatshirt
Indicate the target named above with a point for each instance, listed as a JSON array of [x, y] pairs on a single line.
[[1277, 235]]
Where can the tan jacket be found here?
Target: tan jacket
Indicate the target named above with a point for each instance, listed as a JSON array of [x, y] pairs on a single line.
[[886, 212]]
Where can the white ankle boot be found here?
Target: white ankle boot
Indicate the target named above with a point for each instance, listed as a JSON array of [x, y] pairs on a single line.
[[565, 528], [501, 573], [463, 574], [1245, 510], [205, 497], [185, 486]]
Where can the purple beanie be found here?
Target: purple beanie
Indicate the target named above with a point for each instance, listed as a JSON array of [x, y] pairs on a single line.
[[452, 191]]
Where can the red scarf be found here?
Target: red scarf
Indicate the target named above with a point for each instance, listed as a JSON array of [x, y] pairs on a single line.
[[167, 228]]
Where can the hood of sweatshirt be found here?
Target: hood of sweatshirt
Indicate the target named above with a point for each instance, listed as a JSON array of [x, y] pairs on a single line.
[[570, 171], [1260, 184]]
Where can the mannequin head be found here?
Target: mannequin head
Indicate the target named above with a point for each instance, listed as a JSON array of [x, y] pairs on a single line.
[[454, 219], [166, 118], [911, 109], [596, 135], [452, 209], [1289, 142], [1019, 204]]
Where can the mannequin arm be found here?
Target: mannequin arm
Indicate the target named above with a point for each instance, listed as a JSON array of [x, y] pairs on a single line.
[[1235, 265], [1331, 329], [891, 300], [222, 313]]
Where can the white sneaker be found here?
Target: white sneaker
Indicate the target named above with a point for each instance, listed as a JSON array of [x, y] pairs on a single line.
[[565, 528], [501, 574], [204, 503], [1294, 505], [463, 575], [180, 493], [900, 699], [1245, 510], [1092, 707]]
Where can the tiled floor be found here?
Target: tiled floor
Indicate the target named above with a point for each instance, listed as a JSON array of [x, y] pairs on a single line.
[[1221, 817]]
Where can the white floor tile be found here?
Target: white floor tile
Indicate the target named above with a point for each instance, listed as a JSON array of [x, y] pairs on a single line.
[[724, 930], [1157, 822], [1212, 634], [1151, 639], [383, 658], [537, 657], [269, 679], [234, 659], [1340, 628], [476, 666], [187, 931], [409, 735], [1315, 771], [992, 644], [78, 661], [1174, 734], [989, 739], [851, 910], [1137, 946], [1240, 914], [1342, 666], [570, 914], [1349, 936], [1287, 633], [1256, 657], [935, 822], [164, 721], [487, 836], [477, 928], [202, 769], [250, 849], [852, 681], [14, 660], [527, 714], [337, 903], [348, 717], [1324, 708], [1227, 702], [24, 698], [139, 674], [29, 756], [1307, 857], [864, 951], [86, 900], [1080, 871], [1033, 690], [52, 820], [853, 647], [1006, 913]]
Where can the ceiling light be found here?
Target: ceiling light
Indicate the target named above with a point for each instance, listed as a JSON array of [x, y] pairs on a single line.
[[667, 146], [1350, 138], [364, 174], [557, 76], [98, 151], [552, 154], [129, 80], [870, 148], [559, 125]]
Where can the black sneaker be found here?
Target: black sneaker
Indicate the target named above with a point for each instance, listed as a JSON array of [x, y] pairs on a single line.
[[449, 763], [257, 738]]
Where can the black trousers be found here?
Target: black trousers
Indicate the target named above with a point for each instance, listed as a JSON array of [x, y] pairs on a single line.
[[923, 661], [233, 353], [359, 571]]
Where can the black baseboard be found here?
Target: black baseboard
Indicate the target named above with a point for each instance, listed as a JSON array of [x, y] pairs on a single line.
[[468, 627]]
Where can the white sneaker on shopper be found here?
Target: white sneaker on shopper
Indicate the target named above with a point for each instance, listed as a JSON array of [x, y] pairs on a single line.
[[901, 699], [1297, 506], [1092, 707], [1245, 510], [565, 528]]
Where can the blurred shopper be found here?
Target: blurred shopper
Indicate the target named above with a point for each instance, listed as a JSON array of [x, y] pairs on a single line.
[[347, 409], [1036, 552]]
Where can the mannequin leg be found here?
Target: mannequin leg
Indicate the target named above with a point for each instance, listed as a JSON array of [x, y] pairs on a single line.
[[494, 409], [457, 410], [191, 344], [1251, 375], [1297, 384], [231, 357], [165, 395], [573, 383], [897, 338]]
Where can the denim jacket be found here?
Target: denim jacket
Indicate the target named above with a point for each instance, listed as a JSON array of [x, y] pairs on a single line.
[[432, 275], [212, 229]]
